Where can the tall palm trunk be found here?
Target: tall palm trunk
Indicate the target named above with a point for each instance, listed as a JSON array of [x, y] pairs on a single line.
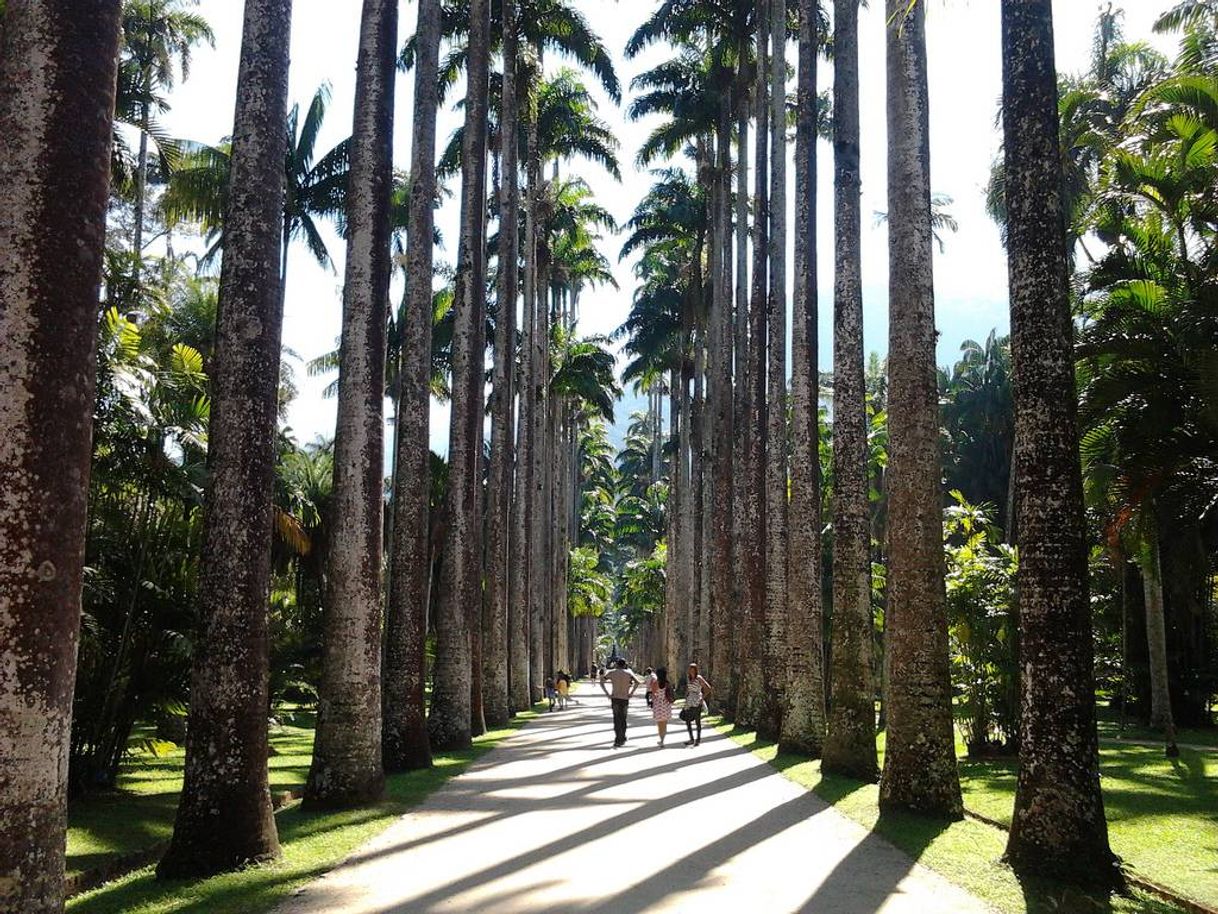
[[803, 724], [475, 597], [655, 397], [525, 681], [920, 761], [1156, 639], [752, 685], [672, 581], [346, 767], [404, 731], [519, 603], [1058, 826], [495, 653], [539, 562], [57, 79], [141, 179], [452, 706], [224, 815], [699, 478], [720, 500], [729, 687], [686, 531], [776, 603], [850, 745]]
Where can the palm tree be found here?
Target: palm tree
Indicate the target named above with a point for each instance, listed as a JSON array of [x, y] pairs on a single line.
[[224, 817], [455, 715], [346, 768], [554, 209], [57, 84], [850, 745], [683, 88], [562, 123], [497, 704], [920, 760], [1058, 825], [541, 25], [979, 426], [157, 34], [669, 225], [316, 188], [776, 604], [582, 386], [803, 723], [750, 693], [404, 730], [718, 554], [1185, 13]]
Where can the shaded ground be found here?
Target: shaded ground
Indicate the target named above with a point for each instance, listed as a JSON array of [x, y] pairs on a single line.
[[139, 814], [556, 820], [1162, 813], [313, 842]]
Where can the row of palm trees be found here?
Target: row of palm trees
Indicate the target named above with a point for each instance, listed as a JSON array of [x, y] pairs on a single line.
[[240, 188], [744, 497]]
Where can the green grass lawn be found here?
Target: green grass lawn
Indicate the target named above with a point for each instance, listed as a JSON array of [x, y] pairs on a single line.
[[1162, 813], [1109, 727], [313, 842], [139, 814], [1163, 820]]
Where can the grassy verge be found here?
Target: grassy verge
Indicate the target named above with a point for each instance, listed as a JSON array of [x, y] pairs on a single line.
[[139, 814], [968, 852], [1109, 727], [313, 842], [1161, 812]]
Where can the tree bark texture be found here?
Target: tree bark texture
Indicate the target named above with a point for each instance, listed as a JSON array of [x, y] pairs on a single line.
[[850, 744], [404, 732], [672, 511], [769, 724], [1156, 638], [57, 78], [722, 581], [750, 691], [688, 589], [452, 708], [700, 480], [803, 723], [347, 765], [1058, 826], [540, 556], [522, 495], [729, 687], [497, 704], [920, 761], [224, 818]]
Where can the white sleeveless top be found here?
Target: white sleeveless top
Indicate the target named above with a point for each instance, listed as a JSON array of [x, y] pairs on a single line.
[[693, 693]]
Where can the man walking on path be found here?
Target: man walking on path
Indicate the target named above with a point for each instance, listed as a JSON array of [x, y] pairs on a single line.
[[623, 682]]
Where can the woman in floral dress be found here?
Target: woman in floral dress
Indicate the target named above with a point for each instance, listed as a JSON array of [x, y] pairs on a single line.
[[661, 701]]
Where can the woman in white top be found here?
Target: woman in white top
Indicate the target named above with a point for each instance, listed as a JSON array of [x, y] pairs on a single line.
[[696, 691]]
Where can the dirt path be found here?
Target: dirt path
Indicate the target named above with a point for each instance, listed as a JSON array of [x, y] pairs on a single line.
[[555, 820]]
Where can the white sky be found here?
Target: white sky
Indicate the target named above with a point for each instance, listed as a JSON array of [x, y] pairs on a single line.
[[965, 86]]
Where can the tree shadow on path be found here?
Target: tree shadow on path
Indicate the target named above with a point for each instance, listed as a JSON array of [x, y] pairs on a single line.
[[442, 895], [687, 872]]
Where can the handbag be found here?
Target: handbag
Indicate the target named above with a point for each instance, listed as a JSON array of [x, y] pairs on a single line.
[[689, 714]]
